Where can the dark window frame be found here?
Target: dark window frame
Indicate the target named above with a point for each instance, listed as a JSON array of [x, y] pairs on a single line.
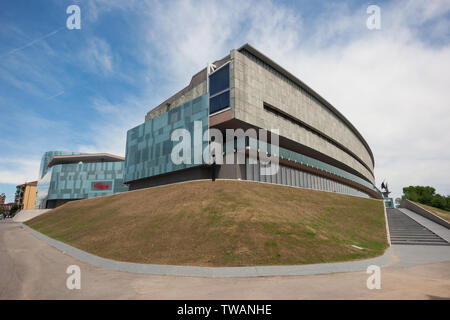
[[223, 92], [220, 88]]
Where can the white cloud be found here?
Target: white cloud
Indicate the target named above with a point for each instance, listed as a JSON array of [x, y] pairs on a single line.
[[92, 10], [188, 34], [97, 56], [391, 84], [18, 170], [31, 73], [108, 133]]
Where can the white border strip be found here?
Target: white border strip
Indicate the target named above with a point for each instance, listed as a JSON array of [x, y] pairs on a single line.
[[387, 224]]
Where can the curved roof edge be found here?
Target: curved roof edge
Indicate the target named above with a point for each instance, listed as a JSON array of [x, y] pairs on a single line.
[[196, 79], [297, 81], [87, 158]]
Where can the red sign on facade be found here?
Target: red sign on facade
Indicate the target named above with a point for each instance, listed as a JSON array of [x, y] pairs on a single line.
[[101, 185]]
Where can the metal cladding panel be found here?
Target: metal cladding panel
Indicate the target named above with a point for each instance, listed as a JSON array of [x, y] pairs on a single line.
[[48, 156], [149, 145], [294, 177], [80, 181]]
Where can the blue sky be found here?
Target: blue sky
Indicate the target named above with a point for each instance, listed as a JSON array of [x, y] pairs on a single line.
[[81, 90]]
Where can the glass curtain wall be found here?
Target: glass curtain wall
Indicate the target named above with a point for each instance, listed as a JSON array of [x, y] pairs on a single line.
[[149, 145]]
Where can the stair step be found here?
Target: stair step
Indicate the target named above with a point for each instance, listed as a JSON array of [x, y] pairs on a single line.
[[405, 230]]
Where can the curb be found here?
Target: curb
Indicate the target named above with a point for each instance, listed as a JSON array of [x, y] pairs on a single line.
[[214, 272]]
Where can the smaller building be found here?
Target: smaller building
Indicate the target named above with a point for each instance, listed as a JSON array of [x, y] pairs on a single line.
[[25, 197], [6, 207], [68, 176]]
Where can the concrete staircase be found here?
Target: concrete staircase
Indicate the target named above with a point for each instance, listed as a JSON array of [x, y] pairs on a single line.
[[404, 230]]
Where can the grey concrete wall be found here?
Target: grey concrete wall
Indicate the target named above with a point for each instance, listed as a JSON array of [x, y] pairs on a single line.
[[190, 174], [225, 171], [195, 92], [231, 171], [51, 204], [423, 212], [253, 84]]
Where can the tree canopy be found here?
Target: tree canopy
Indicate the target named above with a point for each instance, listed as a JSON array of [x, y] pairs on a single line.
[[426, 195]]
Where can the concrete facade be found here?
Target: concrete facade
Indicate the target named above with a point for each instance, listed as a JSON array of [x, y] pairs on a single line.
[[25, 197], [195, 92], [255, 83], [196, 88]]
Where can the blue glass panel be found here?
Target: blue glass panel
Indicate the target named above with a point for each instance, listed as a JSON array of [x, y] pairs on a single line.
[[149, 145], [219, 102], [48, 156], [219, 80]]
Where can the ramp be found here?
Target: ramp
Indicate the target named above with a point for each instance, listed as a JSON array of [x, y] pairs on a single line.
[[25, 215]]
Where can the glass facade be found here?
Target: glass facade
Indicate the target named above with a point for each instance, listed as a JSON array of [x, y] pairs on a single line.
[[389, 203], [79, 181], [42, 190], [219, 102], [149, 145], [219, 89], [48, 156], [219, 80]]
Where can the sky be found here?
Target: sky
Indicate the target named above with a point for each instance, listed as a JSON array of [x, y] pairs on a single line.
[[82, 89]]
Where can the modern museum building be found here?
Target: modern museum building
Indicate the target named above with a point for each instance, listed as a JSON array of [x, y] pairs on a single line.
[[316, 146]]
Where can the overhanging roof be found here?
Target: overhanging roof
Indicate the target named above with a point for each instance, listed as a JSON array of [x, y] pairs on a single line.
[[85, 158], [300, 83], [196, 79]]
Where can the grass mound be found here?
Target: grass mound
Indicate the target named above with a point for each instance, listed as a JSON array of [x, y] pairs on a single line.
[[222, 223]]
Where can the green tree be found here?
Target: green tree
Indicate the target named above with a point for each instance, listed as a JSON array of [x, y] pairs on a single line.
[[439, 201], [13, 210], [426, 195]]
